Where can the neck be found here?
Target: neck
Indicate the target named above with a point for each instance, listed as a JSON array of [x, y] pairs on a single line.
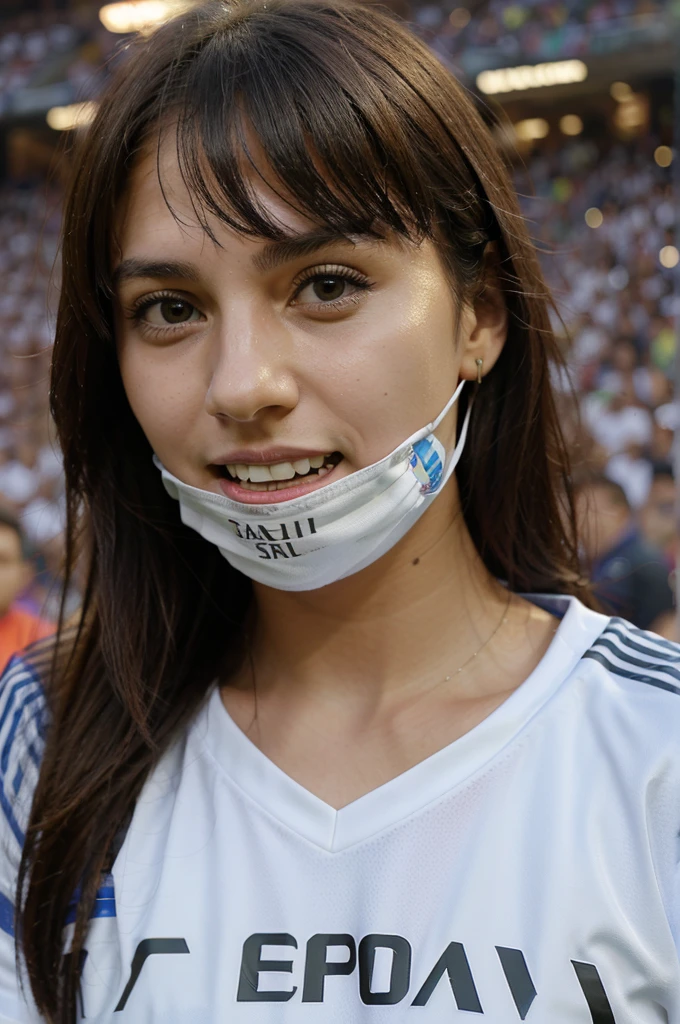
[[415, 615]]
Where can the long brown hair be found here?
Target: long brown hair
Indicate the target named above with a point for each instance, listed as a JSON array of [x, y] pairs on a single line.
[[366, 132]]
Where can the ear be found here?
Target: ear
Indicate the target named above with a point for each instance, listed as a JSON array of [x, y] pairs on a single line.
[[484, 325]]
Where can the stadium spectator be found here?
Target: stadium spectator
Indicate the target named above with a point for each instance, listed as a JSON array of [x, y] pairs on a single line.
[[658, 518], [630, 577], [18, 626], [529, 31]]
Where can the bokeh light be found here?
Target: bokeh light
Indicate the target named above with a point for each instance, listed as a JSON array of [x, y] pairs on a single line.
[[669, 257], [76, 115], [459, 18], [594, 217], [620, 91], [135, 15], [532, 128], [571, 124], [663, 156]]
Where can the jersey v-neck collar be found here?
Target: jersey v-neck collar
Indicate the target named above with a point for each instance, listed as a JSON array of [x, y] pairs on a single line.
[[336, 830]]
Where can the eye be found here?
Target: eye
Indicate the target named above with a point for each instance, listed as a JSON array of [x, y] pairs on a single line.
[[330, 286], [169, 312]]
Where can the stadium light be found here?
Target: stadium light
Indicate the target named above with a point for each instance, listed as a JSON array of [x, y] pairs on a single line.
[[531, 76], [532, 128], [138, 15], [76, 115]]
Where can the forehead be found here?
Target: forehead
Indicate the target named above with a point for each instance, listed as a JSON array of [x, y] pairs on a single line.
[[158, 203], [158, 206]]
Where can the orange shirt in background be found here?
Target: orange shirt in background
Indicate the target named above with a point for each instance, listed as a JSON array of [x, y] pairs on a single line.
[[18, 628]]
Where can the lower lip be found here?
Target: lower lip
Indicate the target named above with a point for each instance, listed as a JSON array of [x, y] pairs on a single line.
[[233, 490]]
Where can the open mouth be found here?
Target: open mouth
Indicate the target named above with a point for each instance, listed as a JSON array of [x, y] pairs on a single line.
[[281, 475]]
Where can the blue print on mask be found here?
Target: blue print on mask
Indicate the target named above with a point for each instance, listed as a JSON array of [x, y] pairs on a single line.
[[427, 463]]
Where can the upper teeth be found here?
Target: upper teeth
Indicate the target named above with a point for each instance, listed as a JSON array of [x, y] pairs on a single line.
[[277, 471]]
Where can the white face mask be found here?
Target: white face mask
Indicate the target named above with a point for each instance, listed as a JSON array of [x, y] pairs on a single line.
[[333, 532]]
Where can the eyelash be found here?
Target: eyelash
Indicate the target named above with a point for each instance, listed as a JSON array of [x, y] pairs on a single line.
[[360, 281]]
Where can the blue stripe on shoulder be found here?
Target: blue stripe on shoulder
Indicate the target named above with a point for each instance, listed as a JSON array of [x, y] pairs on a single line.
[[6, 915], [22, 739], [632, 653], [665, 650]]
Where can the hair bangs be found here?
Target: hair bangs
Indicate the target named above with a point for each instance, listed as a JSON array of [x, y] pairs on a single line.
[[260, 105]]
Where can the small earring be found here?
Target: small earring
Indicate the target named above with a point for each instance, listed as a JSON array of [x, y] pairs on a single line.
[[480, 364]]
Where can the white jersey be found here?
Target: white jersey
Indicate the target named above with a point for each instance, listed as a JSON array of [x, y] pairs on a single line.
[[527, 871]]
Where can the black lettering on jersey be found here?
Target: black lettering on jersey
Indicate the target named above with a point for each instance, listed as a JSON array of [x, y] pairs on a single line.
[[454, 963], [317, 967], [145, 949], [252, 963], [518, 978], [593, 989], [400, 974]]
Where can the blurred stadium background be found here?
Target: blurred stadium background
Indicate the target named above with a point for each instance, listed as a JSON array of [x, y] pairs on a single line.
[[580, 96]]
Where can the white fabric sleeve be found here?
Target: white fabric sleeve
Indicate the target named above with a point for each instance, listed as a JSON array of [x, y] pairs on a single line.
[[22, 724]]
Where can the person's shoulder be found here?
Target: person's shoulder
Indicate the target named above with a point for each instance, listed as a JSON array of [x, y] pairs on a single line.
[[23, 722], [21, 627], [638, 664]]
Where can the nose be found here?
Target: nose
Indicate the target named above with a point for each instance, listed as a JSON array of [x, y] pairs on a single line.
[[250, 371]]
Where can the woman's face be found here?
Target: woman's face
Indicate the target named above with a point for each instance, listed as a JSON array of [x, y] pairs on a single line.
[[315, 357]]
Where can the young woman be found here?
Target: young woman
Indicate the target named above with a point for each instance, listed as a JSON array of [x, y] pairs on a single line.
[[310, 755]]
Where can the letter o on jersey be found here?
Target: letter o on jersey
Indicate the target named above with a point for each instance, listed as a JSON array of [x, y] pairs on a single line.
[[400, 972]]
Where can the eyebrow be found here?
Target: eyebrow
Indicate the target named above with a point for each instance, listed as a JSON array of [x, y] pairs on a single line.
[[135, 267], [271, 256], [287, 249]]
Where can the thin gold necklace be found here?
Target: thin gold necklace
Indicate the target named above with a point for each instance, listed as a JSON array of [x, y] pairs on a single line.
[[503, 619]]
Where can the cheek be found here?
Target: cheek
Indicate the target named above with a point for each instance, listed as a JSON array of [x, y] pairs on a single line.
[[164, 393], [398, 366]]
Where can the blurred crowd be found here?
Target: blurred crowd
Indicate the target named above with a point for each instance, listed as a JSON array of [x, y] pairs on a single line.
[[604, 217], [530, 31], [31, 484], [69, 50], [21, 52]]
